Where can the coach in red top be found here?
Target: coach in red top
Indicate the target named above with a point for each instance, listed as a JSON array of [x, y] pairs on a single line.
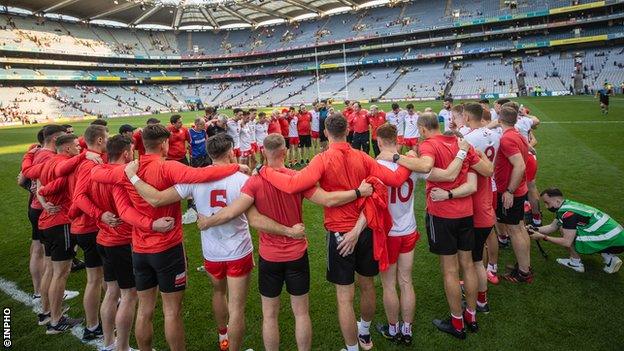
[[360, 123], [178, 138], [342, 168], [511, 187], [376, 118]]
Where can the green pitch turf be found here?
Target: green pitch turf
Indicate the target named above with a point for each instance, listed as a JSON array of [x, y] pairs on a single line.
[[579, 150]]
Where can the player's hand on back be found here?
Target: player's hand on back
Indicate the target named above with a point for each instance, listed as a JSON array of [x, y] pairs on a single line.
[[463, 144], [51, 208], [163, 224], [110, 219], [201, 222], [438, 194], [92, 156], [365, 189], [297, 231], [132, 168]]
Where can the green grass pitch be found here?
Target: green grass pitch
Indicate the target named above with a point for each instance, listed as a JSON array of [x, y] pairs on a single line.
[[579, 150]]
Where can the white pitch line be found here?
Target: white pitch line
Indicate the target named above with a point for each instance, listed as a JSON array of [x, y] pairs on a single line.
[[11, 289], [581, 122]]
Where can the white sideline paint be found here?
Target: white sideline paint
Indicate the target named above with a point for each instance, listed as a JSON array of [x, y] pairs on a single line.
[[11, 289]]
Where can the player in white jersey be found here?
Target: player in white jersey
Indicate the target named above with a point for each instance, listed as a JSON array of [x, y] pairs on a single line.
[[227, 248], [410, 133], [233, 130], [396, 117], [262, 130], [458, 122], [315, 128], [446, 113], [293, 139], [486, 141], [247, 138]]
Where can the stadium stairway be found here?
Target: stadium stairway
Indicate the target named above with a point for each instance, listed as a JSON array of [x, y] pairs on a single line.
[[304, 88], [235, 95], [146, 96], [396, 80]]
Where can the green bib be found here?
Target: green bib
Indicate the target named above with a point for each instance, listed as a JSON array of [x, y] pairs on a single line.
[[600, 233]]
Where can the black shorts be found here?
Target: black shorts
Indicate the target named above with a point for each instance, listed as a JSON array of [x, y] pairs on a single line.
[[166, 269], [512, 215], [447, 235], [480, 237], [201, 161], [614, 250], [305, 141], [117, 262], [58, 243], [604, 102], [341, 270], [33, 217], [272, 275], [87, 242]]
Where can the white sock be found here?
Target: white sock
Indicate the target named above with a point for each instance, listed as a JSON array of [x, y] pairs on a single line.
[[406, 328], [492, 267], [93, 328], [364, 327], [575, 261], [393, 329], [607, 257], [353, 347]]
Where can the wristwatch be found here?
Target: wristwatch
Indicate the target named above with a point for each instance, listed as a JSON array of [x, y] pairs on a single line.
[[358, 194], [450, 194], [395, 158], [509, 191]]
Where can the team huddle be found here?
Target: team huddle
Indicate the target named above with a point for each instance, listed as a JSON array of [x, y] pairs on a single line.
[[125, 214]]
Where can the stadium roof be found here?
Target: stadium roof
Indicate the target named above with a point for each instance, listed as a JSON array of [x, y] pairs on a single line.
[[188, 14]]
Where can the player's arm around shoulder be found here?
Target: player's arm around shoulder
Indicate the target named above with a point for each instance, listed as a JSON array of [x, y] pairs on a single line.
[[153, 196]]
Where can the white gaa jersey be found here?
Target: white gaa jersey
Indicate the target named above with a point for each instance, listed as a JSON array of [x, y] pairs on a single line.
[[233, 130], [447, 118], [261, 132], [486, 141], [523, 125], [397, 120], [252, 130], [315, 121], [411, 126], [246, 137], [463, 130], [292, 128], [401, 203], [493, 114], [229, 241]]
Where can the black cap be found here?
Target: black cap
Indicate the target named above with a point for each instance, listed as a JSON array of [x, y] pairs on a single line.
[[153, 121], [126, 128]]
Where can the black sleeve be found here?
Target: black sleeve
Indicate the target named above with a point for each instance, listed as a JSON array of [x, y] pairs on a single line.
[[571, 220]]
